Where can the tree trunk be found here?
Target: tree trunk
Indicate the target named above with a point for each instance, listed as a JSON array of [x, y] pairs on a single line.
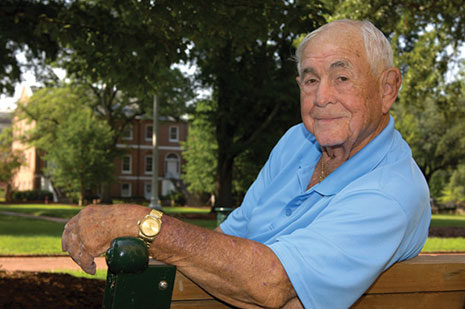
[[81, 194], [105, 195], [8, 192], [223, 184]]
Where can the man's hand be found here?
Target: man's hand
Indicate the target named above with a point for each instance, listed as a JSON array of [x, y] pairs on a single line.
[[89, 233]]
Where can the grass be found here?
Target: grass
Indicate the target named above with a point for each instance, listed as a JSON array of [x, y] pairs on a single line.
[[436, 244], [448, 220], [100, 275], [51, 210], [24, 236]]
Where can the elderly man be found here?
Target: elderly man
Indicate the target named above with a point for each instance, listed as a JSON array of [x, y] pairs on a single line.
[[339, 200]]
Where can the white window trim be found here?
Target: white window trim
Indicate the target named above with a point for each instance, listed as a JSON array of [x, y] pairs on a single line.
[[145, 165], [146, 131], [178, 164], [123, 171], [147, 194], [129, 189], [177, 134]]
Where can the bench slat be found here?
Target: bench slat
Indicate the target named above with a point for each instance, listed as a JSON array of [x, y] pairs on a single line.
[[427, 281], [434, 300], [433, 273], [204, 304]]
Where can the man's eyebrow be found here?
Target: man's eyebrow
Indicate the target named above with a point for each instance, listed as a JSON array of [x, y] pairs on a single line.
[[340, 64], [308, 70]]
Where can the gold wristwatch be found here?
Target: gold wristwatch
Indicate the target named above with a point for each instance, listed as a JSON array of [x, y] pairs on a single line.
[[150, 226]]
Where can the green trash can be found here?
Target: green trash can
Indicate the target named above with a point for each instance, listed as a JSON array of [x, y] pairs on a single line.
[[221, 214]]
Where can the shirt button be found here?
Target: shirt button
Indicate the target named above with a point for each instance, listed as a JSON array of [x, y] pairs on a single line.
[[288, 212]]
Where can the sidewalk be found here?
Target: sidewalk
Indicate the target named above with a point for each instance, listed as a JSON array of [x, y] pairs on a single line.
[[18, 214], [46, 263]]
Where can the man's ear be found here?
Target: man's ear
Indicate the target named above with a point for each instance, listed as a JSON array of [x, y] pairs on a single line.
[[391, 81]]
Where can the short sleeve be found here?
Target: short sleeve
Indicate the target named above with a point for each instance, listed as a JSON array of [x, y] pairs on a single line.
[[338, 256]]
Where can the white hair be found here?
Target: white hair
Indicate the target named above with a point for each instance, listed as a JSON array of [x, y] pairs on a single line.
[[377, 48]]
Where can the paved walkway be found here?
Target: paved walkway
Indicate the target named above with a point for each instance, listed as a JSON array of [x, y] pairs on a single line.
[[18, 214], [44, 263]]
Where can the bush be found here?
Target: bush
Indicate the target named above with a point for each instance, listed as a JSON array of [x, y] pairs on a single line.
[[177, 197], [31, 195]]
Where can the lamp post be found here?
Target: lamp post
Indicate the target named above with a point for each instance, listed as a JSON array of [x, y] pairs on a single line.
[[154, 192]]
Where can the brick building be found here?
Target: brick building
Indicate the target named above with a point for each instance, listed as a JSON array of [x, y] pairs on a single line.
[[133, 170], [29, 175]]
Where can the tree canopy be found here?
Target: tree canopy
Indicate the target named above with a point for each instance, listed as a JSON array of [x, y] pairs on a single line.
[[74, 142], [124, 51]]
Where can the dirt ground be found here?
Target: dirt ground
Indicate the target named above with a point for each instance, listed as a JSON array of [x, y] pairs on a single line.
[[21, 289]]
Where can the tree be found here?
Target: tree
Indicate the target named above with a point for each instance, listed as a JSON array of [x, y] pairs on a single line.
[[435, 136], [76, 144], [20, 32], [10, 160], [201, 148], [79, 157], [425, 37], [243, 50]]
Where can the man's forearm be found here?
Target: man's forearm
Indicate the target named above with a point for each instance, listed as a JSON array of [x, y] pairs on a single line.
[[242, 272]]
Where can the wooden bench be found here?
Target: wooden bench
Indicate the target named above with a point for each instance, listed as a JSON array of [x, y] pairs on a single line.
[[427, 281]]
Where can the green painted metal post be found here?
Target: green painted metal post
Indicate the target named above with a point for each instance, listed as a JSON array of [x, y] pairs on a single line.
[[134, 283]]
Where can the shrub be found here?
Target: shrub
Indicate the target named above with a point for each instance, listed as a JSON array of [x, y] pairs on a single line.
[[31, 195]]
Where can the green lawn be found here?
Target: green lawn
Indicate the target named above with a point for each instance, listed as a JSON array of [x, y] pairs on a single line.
[[448, 220], [23, 236], [51, 210], [436, 244]]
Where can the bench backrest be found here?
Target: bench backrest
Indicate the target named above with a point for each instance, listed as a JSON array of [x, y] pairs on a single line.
[[427, 281]]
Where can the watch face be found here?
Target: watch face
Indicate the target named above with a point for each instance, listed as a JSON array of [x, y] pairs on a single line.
[[150, 227]]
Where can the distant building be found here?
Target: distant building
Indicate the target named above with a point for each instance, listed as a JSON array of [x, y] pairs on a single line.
[[5, 120], [133, 170], [29, 175]]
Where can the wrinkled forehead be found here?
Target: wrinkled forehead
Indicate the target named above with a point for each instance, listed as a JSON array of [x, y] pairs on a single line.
[[343, 35], [339, 46]]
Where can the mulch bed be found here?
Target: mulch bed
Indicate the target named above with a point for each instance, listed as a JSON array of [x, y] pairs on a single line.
[[21, 289], [440, 231], [46, 290]]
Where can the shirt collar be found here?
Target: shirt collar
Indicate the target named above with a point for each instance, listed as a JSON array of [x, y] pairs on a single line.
[[360, 164]]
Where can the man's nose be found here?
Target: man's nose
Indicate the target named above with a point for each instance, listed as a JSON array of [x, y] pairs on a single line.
[[324, 93]]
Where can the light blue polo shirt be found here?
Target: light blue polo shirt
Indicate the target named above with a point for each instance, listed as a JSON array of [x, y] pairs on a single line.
[[336, 238]]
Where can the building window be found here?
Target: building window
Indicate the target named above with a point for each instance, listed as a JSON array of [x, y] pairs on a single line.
[[148, 165], [174, 134], [148, 133], [126, 190], [127, 133], [126, 165], [172, 166]]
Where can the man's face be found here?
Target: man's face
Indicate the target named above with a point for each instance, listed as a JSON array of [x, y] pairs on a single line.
[[340, 99]]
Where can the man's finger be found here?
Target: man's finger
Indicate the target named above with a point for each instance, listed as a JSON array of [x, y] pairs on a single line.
[[87, 261], [69, 228]]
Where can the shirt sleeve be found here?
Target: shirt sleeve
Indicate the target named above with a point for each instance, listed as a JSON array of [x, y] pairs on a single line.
[[337, 257]]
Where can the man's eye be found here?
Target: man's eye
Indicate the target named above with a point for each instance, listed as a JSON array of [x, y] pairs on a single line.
[[310, 81], [342, 78]]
